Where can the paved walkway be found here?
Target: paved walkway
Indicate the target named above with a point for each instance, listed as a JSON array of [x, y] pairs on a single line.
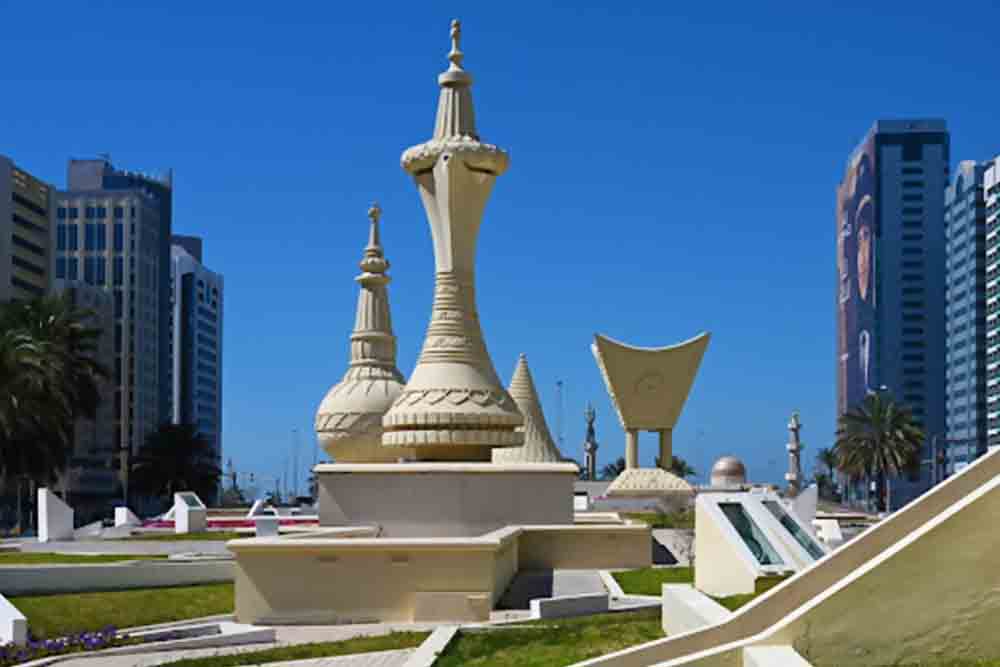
[[286, 635]]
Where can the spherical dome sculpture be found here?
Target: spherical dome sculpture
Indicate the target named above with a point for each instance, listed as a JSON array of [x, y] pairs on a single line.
[[349, 419], [728, 471]]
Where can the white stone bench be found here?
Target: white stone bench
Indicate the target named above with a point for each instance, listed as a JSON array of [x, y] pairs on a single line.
[[13, 624], [569, 605], [685, 608]]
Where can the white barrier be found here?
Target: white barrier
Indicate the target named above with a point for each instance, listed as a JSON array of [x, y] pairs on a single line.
[[267, 526], [685, 609], [125, 517], [190, 513], [829, 531], [804, 505], [13, 624], [569, 605], [52, 579], [55, 518]]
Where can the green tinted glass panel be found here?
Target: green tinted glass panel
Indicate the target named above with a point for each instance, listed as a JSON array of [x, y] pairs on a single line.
[[801, 536], [751, 534]]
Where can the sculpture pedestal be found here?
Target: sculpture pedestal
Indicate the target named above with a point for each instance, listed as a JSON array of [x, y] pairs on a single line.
[[445, 499]]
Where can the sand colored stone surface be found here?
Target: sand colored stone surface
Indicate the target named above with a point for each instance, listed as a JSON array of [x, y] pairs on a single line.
[[349, 419], [538, 445], [453, 406]]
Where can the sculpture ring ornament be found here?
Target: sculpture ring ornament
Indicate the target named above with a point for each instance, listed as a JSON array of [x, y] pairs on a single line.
[[476, 154], [650, 384]]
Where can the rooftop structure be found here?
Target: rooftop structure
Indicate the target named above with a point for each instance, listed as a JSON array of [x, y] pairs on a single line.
[[794, 474], [453, 406], [590, 444], [538, 445], [728, 472], [349, 419]]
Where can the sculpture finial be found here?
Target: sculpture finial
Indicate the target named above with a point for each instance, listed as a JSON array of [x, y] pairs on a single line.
[[374, 212], [456, 55], [374, 260]]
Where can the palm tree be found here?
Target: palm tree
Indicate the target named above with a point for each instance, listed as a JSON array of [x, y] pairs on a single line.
[[679, 467], [879, 439], [49, 377], [176, 457], [612, 470], [827, 458]]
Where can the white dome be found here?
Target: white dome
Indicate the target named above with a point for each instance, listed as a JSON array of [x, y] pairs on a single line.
[[728, 471]]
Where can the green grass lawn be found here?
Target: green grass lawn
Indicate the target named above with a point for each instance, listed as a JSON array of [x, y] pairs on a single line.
[[552, 643], [650, 580], [59, 615], [27, 558], [682, 519], [396, 640], [208, 536]]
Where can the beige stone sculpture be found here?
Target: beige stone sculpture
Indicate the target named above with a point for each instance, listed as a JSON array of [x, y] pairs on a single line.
[[349, 419], [453, 407], [538, 445], [648, 387]]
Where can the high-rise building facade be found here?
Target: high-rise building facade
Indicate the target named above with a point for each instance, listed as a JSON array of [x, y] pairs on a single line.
[[965, 321], [90, 480], [991, 191], [26, 238], [890, 273], [112, 237], [197, 298]]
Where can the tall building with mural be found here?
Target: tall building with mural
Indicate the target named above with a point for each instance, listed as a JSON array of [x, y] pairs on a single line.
[[965, 320], [26, 237], [890, 269]]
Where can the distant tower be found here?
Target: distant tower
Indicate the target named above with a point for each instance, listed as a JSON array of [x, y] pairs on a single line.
[[590, 444], [794, 474]]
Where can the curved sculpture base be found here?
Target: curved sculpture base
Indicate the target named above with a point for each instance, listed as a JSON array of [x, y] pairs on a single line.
[[363, 451], [431, 453]]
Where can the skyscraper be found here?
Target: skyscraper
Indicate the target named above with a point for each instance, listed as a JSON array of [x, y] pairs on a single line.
[[890, 269], [965, 320], [112, 227], [196, 298], [26, 240], [991, 188]]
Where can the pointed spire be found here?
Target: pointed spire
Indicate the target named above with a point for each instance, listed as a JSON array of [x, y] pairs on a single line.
[[538, 444], [455, 55], [455, 115], [374, 264]]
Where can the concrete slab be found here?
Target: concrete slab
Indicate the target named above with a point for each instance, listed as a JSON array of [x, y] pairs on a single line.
[[531, 584], [677, 543]]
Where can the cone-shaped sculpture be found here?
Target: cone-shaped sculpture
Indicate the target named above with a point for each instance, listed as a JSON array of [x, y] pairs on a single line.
[[454, 407], [349, 420], [538, 446]]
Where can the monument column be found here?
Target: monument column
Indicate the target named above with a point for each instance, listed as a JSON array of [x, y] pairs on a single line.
[[631, 448], [666, 447], [453, 407]]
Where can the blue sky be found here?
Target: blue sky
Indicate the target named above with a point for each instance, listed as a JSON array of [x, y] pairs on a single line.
[[673, 170]]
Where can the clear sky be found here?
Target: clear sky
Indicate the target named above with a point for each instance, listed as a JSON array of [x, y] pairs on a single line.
[[673, 171]]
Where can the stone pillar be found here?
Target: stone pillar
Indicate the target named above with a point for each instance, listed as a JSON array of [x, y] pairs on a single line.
[[631, 448], [666, 447]]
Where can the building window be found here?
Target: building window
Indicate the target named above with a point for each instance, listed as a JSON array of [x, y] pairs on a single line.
[[74, 213], [88, 270], [119, 212], [89, 212], [72, 268], [61, 236], [73, 237], [61, 213], [101, 270], [102, 212], [90, 236], [119, 235], [118, 272], [60, 267]]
